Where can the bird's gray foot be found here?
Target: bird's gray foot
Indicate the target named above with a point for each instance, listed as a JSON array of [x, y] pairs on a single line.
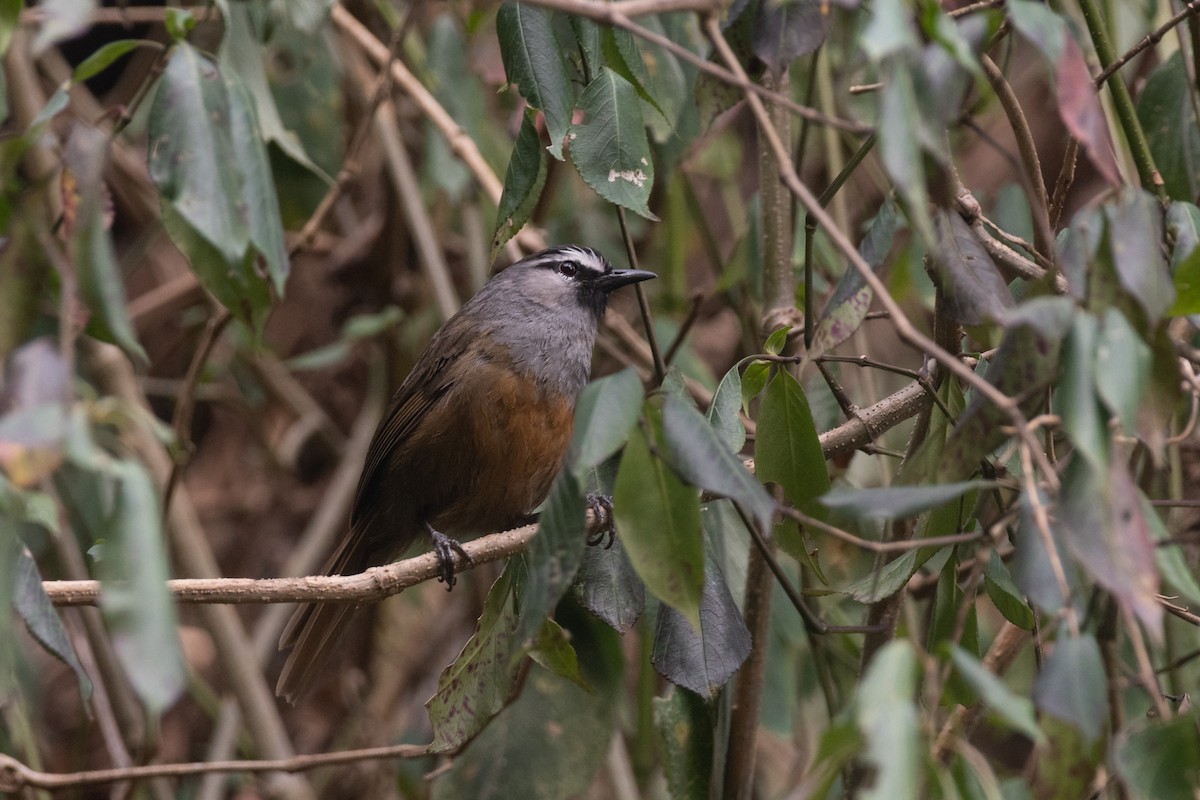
[[446, 548]]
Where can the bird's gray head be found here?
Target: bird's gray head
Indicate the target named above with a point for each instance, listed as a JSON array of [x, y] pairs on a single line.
[[568, 277], [546, 309]]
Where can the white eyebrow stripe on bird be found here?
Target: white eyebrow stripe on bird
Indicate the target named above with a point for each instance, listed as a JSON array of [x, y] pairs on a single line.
[[589, 259]]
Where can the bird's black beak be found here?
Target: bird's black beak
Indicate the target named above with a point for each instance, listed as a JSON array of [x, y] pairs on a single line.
[[622, 277]]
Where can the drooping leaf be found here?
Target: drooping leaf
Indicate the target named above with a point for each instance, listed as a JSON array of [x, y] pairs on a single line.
[[1158, 761], [1075, 399], [699, 456], [42, 620], [552, 557], [137, 606], [659, 520], [702, 660], [607, 585], [885, 582], [1032, 565], [552, 738], [1014, 709], [896, 502], [786, 449], [887, 718], [1124, 361], [604, 415], [786, 30], [551, 650], [1135, 235], [852, 298], [1101, 518], [480, 681], [684, 729], [974, 290], [1071, 685], [723, 412], [104, 57], [523, 184], [1026, 362], [609, 145], [1005, 596], [533, 61], [1164, 108]]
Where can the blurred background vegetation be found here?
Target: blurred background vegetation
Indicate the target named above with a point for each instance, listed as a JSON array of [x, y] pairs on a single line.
[[229, 228]]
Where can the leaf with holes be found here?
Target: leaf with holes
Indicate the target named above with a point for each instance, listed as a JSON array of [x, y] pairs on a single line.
[[609, 145]]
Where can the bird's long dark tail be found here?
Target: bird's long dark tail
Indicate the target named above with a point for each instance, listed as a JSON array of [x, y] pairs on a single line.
[[315, 628]]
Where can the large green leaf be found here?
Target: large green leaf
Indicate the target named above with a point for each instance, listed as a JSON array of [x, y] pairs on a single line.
[[1165, 109], [1071, 685], [523, 184], [786, 448], [1075, 399], [887, 718], [604, 415], [1160, 761], [481, 680], [42, 620], [1014, 709], [609, 145], [533, 62], [1135, 227], [896, 502], [658, 517]]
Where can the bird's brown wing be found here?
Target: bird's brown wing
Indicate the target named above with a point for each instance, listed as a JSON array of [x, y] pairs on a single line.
[[315, 628]]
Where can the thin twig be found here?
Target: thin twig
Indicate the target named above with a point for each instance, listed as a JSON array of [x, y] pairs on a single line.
[[1151, 39], [660, 367], [14, 775]]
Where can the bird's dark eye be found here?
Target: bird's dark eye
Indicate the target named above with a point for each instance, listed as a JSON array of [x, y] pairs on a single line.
[[568, 268]]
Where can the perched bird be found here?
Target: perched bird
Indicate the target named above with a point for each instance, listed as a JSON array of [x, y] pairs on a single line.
[[476, 433]]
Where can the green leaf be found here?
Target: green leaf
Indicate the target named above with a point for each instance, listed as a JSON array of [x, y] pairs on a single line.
[[1005, 595], [702, 459], [1158, 761], [551, 650], [42, 620], [887, 718], [1169, 556], [777, 340], [607, 585], [1186, 280], [481, 680], [1164, 108], [895, 502], [192, 158], [658, 517], [533, 61], [10, 18], [1032, 567], [889, 31], [784, 31], [103, 58], [1075, 400], [523, 183], [900, 144], [1013, 708], [100, 278], [548, 743], [684, 730], [604, 414], [786, 449], [179, 23], [1135, 235], [258, 187], [1101, 517], [609, 146], [852, 298], [702, 659], [137, 606], [1126, 367], [723, 411], [553, 556], [1072, 685], [885, 582], [974, 290]]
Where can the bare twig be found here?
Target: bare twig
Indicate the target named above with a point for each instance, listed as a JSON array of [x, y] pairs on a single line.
[[14, 775], [1151, 39]]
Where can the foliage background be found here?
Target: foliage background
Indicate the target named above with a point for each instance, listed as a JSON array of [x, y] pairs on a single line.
[[228, 230]]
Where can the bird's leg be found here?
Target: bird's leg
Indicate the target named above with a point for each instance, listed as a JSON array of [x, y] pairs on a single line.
[[445, 547], [601, 528]]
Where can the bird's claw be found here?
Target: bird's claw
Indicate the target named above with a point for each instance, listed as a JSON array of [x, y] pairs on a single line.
[[601, 527], [446, 548]]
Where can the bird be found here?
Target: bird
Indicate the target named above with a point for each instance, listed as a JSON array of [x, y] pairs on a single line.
[[473, 438]]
